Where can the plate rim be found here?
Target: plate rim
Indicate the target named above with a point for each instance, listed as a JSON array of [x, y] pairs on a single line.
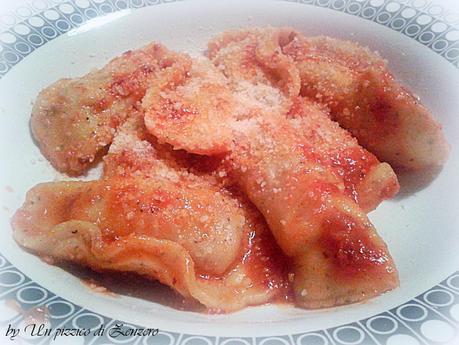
[[16, 44]]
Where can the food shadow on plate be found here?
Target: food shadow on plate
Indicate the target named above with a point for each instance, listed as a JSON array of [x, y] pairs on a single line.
[[412, 182], [118, 284]]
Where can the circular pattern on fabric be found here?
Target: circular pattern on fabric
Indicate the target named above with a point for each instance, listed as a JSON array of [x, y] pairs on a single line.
[[164, 339], [412, 312], [440, 45], [368, 13], [60, 309], [74, 341], [419, 3], [435, 10], [51, 15], [88, 320], [412, 29], [312, 339], [153, 2], [452, 53], [382, 324], [10, 278], [338, 5], [76, 19], [31, 295], [35, 39], [426, 37], [354, 8], [438, 27], [197, 340], [23, 48], [90, 13], [63, 25], [23, 11], [22, 29], [385, 12], [453, 282], [376, 3], [349, 335], [404, 339], [137, 3], [408, 13], [12, 58], [398, 23], [36, 22], [48, 32], [439, 298], [383, 17], [437, 330], [273, 341], [393, 7], [39, 4], [82, 3], [423, 19], [106, 8], [8, 38], [121, 4], [66, 8]]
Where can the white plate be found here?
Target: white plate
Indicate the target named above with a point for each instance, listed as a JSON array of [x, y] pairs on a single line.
[[420, 226]]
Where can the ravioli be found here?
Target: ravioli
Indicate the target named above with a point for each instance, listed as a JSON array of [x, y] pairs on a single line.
[[163, 223], [366, 180], [74, 120], [365, 98]]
